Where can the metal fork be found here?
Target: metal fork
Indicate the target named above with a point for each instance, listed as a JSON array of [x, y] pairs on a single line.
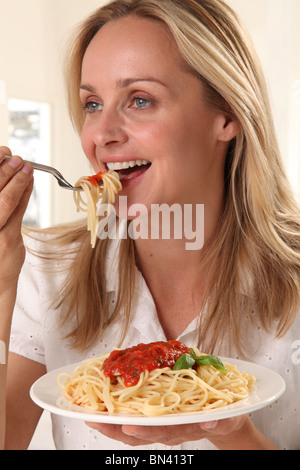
[[48, 169]]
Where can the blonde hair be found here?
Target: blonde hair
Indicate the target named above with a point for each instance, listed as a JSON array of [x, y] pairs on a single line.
[[253, 259]]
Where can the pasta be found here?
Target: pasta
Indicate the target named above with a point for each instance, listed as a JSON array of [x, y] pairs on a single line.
[[95, 193], [156, 392]]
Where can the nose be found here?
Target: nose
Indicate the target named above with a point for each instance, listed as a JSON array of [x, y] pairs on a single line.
[[109, 129]]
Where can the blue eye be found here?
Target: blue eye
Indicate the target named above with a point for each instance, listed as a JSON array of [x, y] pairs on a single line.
[[141, 103], [92, 107]]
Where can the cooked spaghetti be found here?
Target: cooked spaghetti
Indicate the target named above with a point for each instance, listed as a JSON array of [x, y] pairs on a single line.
[[99, 386], [95, 193]]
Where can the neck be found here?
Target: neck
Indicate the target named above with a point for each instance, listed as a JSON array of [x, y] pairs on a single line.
[[175, 269], [176, 278], [176, 282], [176, 254]]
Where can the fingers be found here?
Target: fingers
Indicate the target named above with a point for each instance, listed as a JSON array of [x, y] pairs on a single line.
[[15, 187], [4, 151], [167, 435], [170, 435], [225, 426], [116, 433], [146, 435], [16, 183]]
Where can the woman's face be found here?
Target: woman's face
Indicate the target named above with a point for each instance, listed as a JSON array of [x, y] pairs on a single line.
[[142, 105]]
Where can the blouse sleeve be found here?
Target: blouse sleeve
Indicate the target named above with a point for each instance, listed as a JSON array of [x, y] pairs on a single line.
[[27, 325]]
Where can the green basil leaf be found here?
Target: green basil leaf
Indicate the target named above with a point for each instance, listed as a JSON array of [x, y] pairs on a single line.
[[211, 361], [184, 362], [193, 354]]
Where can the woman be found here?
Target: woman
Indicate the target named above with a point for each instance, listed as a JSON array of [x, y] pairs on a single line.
[[177, 85]]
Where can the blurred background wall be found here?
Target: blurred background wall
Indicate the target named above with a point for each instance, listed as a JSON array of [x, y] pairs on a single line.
[[33, 115]]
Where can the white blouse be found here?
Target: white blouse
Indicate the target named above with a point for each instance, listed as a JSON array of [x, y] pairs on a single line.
[[35, 335]]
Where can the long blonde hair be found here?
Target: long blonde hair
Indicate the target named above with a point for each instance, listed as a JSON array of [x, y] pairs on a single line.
[[253, 260]]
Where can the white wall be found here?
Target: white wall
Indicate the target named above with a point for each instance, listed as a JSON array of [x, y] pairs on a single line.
[[275, 29]]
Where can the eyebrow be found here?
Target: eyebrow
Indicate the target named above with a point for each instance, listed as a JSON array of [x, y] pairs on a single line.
[[125, 83], [129, 81]]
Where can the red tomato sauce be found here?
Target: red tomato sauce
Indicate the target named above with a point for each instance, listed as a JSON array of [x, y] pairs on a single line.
[[129, 363], [94, 180]]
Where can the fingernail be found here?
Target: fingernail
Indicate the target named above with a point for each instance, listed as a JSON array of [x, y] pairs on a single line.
[[14, 162], [130, 433], [129, 430], [27, 169], [92, 425], [209, 425]]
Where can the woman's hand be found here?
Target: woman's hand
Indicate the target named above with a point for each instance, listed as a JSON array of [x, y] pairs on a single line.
[[16, 182], [229, 434]]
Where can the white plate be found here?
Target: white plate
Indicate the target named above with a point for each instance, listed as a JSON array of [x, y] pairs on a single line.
[[269, 386]]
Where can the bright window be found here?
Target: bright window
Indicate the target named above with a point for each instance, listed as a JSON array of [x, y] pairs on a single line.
[[29, 137]]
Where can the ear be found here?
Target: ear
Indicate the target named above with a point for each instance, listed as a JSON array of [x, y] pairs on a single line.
[[228, 128]]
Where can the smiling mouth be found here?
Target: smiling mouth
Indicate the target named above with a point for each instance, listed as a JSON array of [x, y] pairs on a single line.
[[128, 168]]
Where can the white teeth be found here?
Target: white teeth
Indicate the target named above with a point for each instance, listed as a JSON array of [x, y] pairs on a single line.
[[124, 165]]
